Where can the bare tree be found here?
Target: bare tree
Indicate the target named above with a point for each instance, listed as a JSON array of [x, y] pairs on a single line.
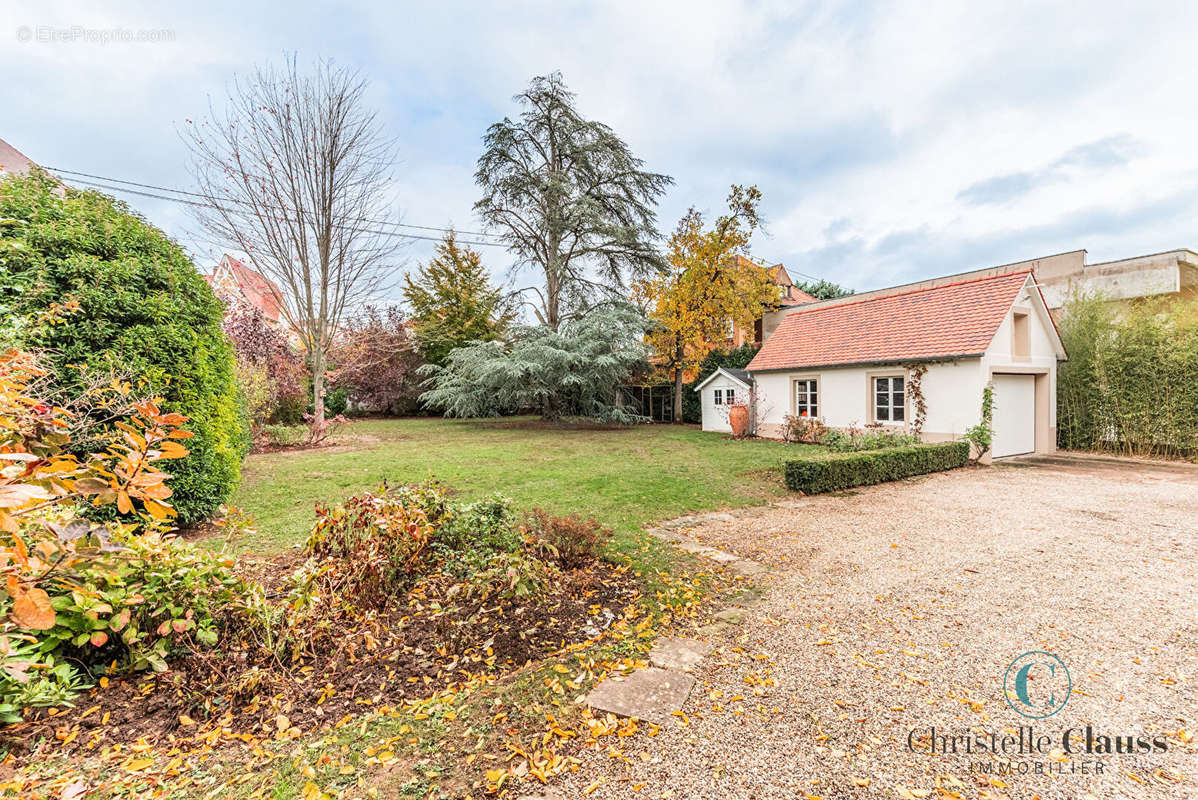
[[295, 171]]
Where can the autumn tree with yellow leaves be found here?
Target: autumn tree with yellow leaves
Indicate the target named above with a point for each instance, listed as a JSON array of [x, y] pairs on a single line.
[[705, 286]]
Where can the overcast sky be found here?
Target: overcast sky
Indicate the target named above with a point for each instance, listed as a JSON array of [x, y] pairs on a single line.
[[892, 140]]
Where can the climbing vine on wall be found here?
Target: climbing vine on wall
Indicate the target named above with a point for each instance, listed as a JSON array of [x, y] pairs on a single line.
[[919, 403], [981, 436]]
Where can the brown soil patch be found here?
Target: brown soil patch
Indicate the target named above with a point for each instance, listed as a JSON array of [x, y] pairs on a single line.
[[426, 641]]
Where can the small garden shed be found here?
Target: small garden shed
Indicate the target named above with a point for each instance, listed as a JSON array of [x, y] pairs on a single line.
[[720, 391]]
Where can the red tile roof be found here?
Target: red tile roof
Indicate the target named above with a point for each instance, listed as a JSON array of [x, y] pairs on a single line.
[[798, 297], [954, 319], [13, 160], [258, 290]]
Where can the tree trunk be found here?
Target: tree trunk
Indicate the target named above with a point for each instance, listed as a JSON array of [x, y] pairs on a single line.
[[678, 356], [317, 390], [549, 410], [553, 289]]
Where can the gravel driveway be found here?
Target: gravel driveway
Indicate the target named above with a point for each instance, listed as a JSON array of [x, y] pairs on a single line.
[[900, 607]]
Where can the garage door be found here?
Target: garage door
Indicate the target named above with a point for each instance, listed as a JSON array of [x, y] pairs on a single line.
[[1014, 415]]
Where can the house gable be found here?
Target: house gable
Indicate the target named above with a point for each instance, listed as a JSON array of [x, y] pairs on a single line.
[[722, 372], [1041, 339], [233, 278]]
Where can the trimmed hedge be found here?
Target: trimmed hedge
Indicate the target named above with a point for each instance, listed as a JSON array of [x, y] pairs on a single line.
[[846, 470]]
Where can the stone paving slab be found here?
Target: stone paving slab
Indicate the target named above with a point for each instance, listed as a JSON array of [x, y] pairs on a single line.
[[650, 694], [679, 653]]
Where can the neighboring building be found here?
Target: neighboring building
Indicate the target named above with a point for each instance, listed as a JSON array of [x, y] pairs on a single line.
[[720, 391], [1174, 272], [235, 282], [764, 325], [848, 361], [13, 160]]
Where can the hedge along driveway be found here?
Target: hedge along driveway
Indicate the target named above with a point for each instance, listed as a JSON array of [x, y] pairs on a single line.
[[625, 478], [831, 473]]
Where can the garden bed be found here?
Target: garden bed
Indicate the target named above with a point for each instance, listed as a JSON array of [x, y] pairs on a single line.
[[407, 653], [401, 601]]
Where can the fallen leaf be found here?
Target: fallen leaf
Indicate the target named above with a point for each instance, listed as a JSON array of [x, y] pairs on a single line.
[[31, 609]]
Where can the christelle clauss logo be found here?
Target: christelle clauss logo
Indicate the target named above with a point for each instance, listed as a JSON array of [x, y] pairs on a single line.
[[1037, 685]]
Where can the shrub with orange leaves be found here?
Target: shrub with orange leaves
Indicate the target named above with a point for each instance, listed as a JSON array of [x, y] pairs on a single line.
[[64, 576]]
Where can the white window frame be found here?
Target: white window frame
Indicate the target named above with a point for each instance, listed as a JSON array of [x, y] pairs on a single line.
[[719, 397], [891, 396], [730, 397], [810, 391]]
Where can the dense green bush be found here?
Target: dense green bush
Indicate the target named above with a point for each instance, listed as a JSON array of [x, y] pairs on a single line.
[[144, 312], [1129, 385], [846, 470], [574, 371]]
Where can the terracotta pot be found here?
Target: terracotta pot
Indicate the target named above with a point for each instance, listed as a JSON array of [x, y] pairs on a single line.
[[738, 418]]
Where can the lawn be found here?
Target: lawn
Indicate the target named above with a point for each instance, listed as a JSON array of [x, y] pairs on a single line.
[[625, 478]]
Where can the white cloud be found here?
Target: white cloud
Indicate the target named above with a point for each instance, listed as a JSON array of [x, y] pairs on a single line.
[[863, 124]]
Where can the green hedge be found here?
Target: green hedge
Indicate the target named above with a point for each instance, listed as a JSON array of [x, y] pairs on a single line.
[[846, 470], [145, 311]]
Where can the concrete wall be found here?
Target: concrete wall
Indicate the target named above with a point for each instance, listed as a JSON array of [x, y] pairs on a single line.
[[715, 418], [1143, 276]]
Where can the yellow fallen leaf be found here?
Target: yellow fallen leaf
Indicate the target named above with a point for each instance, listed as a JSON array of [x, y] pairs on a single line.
[[186, 720], [138, 764], [595, 784], [861, 781]]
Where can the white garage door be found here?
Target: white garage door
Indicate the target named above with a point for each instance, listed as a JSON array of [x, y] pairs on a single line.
[[1014, 415]]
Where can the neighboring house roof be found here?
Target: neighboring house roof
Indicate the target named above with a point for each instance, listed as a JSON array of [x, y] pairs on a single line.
[[941, 321], [797, 297], [792, 295], [741, 376], [13, 160], [233, 275]]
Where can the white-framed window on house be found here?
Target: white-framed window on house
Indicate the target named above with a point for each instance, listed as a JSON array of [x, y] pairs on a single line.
[[890, 400], [729, 397], [719, 397], [806, 397]]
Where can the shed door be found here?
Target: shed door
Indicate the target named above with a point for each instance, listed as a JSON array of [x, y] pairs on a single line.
[[1014, 415]]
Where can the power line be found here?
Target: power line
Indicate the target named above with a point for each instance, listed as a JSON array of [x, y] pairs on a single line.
[[207, 204], [210, 205]]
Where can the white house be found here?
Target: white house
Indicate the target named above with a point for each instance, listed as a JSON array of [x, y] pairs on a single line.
[[720, 391], [853, 361]]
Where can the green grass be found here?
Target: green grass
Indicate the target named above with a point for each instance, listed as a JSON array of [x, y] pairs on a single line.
[[624, 478]]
